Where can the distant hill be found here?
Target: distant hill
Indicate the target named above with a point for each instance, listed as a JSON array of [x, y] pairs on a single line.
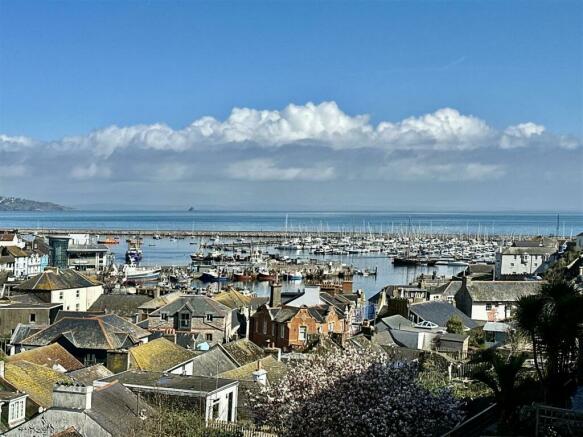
[[17, 204]]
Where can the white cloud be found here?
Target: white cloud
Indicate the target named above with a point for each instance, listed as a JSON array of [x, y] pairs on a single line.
[[267, 170], [14, 143], [90, 171], [323, 124], [415, 170]]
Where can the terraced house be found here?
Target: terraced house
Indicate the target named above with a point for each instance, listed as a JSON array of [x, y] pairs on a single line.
[[197, 315]]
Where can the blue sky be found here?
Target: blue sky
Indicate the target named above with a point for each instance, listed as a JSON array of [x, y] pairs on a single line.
[[72, 68]]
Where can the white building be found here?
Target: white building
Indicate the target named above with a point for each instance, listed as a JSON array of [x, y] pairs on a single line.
[[492, 301], [75, 291], [579, 241], [10, 239], [512, 262]]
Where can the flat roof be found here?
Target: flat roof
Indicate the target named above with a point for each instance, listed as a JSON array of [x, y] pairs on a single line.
[[161, 381]]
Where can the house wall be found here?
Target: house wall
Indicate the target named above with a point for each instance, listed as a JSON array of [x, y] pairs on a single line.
[[10, 317], [579, 241], [498, 311], [70, 301], [463, 301], [509, 265], [222, 398], [263, 330], [184, 369]]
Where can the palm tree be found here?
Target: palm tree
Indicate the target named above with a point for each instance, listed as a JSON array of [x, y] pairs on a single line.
[[553, 320], [501, 376]]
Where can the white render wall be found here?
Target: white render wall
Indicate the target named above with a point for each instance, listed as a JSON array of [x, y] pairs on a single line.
[[87, 296], [519, 264], [499, 311], [223, 397]]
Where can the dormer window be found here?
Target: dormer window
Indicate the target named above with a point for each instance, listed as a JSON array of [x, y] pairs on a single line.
[[16, 411], [184, 320], [164, 316]]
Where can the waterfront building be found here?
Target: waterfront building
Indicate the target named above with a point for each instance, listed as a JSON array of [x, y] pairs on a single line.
[[88, 256], [75, 291], [58, 246], [528, 258]]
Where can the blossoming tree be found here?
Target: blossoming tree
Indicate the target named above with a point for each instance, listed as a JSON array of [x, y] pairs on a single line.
[[354, 393]]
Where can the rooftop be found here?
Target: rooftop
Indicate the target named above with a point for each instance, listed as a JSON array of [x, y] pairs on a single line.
[[49, 356], [57, 280], [501, 291], [89, 374], [196, 385], [158, 355], [34, 380]]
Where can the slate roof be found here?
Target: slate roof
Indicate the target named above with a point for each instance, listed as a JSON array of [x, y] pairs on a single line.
[[285, 314], [159, 302], [440, 312], [199, 306], [114, 408], [34, 380], [159, 355], [106, 332], [198, 385], [23, 330], [275, 370], [87, 375], [538, 250], [233, 299], [243, 351], [124, 305], [501, 291], [48, 356], [212, 362], [397, 322], [69, 432], [57, 280]]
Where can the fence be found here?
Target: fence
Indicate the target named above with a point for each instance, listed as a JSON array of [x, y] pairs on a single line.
[[243, 429], [475, 425], [568, 422], [464, 370]]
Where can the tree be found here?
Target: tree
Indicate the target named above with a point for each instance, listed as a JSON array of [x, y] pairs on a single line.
[[501, 375], [553, 319], [455, 325], [354, 392]]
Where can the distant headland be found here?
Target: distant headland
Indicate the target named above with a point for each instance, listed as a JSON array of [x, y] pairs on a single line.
[[18, 204]]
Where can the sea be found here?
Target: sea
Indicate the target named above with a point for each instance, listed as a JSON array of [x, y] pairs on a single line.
[[166, 252]]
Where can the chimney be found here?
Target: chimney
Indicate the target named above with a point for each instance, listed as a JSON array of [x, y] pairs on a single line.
[[72, 396], [1, 369], [260, 375], [275, 295], [346, 287], [466, 281]]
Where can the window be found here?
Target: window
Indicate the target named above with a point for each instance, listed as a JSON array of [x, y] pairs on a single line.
[[330, 326], [488, 306], [77, 294], [184, 320], [209, 317], [32, 318], [61, 295], [215, 413], [209, 337], [273, 328], [164, 316], [77, 306], [281, 331], [264, 327], [302, 334]]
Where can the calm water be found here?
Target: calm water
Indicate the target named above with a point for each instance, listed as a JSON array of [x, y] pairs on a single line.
[[483, 223], [169, 252]]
